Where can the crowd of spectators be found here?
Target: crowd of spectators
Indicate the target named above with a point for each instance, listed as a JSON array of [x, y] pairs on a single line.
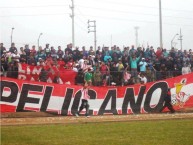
[[106, 66]]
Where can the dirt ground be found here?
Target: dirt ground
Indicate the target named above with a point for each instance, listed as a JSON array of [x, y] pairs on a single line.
[[34, 118]]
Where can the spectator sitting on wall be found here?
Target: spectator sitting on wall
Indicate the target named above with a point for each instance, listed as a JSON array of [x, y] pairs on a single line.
[[143, 79], [12, 71]]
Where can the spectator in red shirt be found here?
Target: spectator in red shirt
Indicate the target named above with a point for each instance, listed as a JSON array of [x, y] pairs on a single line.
[[33, 50], [158, 52]]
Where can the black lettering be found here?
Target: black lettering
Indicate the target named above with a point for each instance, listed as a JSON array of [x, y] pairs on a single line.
[[76, 102], [24, 96], [110, 95], [92, 95], [14, 91], [164, 87], [46, 98], [67, 101], [130, 98]]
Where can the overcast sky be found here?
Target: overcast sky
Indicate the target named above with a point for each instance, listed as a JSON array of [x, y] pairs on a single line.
[[115, 22]]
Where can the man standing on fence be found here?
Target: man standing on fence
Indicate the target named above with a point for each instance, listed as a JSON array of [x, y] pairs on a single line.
[[85, 97]]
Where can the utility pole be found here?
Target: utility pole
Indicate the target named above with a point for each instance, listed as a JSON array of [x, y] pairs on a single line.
[[173, 40], [160, 23], [93, 24], [12, 34], [136, 36], [111, 40], [180, 38], [39, 40], [72, 16]]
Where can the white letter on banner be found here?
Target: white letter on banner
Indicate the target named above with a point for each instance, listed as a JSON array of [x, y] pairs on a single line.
[[20, 69], [21, 77], [36, 71]]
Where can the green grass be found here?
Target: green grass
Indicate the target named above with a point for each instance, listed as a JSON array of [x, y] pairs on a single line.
[[167, 132]]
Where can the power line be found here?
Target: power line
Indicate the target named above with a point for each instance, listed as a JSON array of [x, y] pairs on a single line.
[[101, 17], [120, 11], [18, 7], [106, 1], [131, 5], [142, 21], [34, 15]]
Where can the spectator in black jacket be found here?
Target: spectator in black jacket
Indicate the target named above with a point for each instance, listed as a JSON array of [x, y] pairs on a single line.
[[167, 102], [12, 49], [43, 75], [12, 71]]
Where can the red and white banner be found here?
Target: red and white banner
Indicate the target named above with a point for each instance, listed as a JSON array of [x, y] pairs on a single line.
[[19, 95], [31, 73]]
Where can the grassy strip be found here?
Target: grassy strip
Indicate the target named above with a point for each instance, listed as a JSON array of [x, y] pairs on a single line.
[[167, 132]]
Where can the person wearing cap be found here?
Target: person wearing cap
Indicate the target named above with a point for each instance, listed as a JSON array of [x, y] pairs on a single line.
[[167, 102], [143, 64]]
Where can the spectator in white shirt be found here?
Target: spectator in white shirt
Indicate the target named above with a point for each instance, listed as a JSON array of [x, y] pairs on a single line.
[[143, 78], [186, 69]]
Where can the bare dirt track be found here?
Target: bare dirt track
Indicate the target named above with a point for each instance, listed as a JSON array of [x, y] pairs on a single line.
[[31, 120]]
